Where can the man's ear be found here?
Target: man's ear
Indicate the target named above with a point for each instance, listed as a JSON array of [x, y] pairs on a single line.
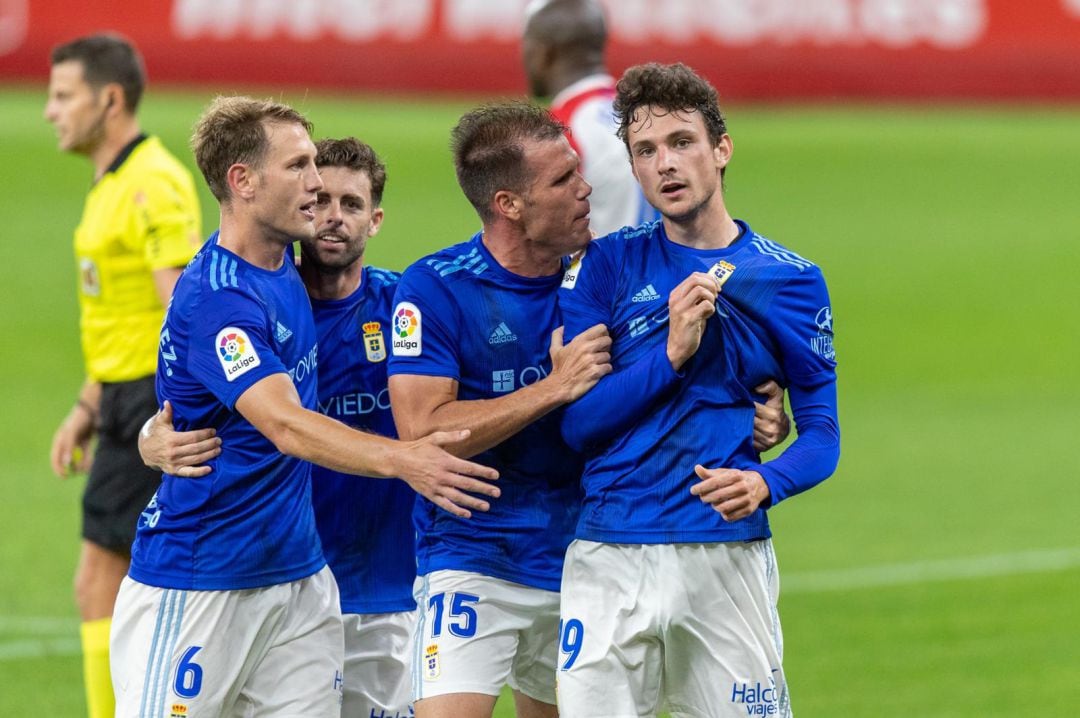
[[376, 222], [508, 204], [242, 181]]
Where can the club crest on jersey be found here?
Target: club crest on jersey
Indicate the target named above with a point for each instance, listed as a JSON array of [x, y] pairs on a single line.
[[431, 662], [822, 344], [374, 346], [569, 280], [408, 330], [721, 272], [236, 352]]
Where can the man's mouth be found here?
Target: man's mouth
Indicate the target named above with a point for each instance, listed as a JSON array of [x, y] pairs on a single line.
[[308, 210], [671, 188], [332, 237]]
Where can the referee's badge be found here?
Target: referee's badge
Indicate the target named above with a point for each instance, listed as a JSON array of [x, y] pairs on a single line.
[[431, 662], [374, 346]]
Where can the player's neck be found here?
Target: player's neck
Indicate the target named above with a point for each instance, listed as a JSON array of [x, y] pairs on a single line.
[[564, 77], [117, 137], [330, 284], [710, 228], [247, 240], [516, 254]]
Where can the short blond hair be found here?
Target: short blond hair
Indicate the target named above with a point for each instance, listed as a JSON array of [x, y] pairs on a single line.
[[232, 130]]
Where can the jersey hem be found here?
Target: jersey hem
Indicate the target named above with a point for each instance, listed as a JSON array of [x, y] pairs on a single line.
[[672, 537], [225, 583], [546, 584]]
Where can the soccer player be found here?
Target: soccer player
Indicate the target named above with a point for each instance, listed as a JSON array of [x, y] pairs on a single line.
[[563, 54], [670, 588], [474, 325], [229, 606], [140, 226], [370, 551]]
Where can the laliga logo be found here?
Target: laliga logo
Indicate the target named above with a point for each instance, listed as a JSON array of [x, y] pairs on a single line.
[[407, 330], [405, 322], [236, 352], [232, 347]]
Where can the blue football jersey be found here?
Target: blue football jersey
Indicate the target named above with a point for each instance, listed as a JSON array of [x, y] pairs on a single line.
[[365, 524], [644, 427], [459, 314], [249, 523]]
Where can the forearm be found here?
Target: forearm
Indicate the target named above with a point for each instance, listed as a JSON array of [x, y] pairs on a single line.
[[324, 441], [618, 401], [490, 421], [813, 456]]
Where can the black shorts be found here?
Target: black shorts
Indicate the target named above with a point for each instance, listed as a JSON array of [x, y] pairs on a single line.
[[120, 485]]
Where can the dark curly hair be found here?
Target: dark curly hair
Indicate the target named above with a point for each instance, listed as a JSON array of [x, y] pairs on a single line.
[[352, 154], [667, 87], [489, 152]]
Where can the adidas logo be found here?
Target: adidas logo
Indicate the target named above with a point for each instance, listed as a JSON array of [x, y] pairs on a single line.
[[502, 335], [282, 333], [648, 294]]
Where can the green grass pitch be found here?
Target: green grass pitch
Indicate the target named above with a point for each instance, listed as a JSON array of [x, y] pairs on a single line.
[[936, 574]]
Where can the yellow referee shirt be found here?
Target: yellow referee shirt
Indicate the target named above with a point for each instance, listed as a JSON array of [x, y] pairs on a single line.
[[142, 215]]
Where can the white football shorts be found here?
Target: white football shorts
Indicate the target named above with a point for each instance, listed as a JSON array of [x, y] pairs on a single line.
[[265, 651], [688, 628], [475, 634], [378, 653]]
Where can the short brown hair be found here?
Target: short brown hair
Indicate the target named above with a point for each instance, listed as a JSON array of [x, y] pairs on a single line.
[[350, 153], [106, 59], [233, 130], [489, 152], [668, 87]]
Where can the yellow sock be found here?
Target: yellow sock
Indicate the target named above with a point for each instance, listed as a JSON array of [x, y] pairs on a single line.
[[100, 702]]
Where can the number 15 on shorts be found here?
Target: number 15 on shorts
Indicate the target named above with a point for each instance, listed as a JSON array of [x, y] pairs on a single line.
[[571, 637]]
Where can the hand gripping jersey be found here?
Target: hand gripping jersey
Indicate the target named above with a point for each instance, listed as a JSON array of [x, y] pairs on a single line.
[[249, 523], [365, 524], [644, 427], [616, 200], [460, 315]]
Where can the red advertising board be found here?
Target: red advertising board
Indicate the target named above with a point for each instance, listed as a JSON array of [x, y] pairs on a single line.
[[748, 48]]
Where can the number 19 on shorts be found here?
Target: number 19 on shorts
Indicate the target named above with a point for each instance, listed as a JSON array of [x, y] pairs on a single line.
[[571, 637]]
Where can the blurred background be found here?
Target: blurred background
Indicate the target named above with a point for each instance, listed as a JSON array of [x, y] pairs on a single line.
[[925, 153]]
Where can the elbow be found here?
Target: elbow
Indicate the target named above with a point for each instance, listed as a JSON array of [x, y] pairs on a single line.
[[286, 438]]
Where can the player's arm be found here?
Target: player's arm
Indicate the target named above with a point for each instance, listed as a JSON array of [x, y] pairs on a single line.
[[180, 453], [71, 449], [810, 459], [273, 407], [422, 404], [810, 364], [619, 400]]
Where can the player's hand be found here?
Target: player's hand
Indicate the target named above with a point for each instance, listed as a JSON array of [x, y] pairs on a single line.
[[180, 453], [734, 494], [577, 367], [71, 450], [771, 424], [443, 478], [690, 305]]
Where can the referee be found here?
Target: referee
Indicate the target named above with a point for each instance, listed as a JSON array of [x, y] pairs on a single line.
[[139, 227]]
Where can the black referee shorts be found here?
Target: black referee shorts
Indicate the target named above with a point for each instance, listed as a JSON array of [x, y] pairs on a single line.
[[120, 485]]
